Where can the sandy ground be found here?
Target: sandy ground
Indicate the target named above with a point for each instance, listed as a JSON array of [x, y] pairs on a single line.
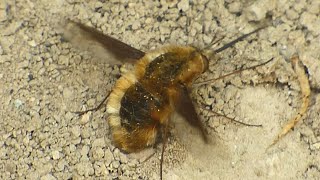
[[43, 79]]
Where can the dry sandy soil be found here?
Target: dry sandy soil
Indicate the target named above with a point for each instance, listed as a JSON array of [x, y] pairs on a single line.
[[44, 78]]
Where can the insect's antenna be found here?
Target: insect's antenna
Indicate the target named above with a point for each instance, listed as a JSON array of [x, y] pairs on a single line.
[[241, 38], [232, 73]]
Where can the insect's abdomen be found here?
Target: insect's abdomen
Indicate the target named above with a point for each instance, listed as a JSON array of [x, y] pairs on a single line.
[[141, 102]]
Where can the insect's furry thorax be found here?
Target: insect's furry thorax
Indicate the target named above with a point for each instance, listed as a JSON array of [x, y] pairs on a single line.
[[143, 99]]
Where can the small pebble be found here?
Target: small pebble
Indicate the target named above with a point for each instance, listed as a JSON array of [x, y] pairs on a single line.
[[3, 15], [85, 151], [291, 14], [136, 25], [100, 169], [32, 43], [183, 5], [61, 165], [48, 177], [18, 103], [75, 131], [115, 164], [85, 169], [312, 22], [91, 102], [67, 93], [100, 142], [235, 7], [23, 64], [108, 157], [315, 146], [85, 133], [123, 158], [116, 154], [98, 153], [255, 13], [86, 118], [55, 155]]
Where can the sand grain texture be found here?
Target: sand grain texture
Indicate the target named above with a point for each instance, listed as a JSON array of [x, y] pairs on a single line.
[[43, 79]]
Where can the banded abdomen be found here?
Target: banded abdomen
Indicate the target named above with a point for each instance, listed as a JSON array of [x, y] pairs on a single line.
[[142, 101]]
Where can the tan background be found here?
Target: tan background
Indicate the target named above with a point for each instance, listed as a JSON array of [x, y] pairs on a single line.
[[43, 79]]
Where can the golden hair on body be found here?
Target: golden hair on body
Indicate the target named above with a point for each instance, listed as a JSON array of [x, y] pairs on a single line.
[[142, 100], [188, 62]]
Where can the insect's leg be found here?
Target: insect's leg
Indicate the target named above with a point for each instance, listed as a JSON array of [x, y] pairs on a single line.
[[164, 143], [202, 106], [232, 73], [93, 109]]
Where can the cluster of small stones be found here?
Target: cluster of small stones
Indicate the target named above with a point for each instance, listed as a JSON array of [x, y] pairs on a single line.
[[41, 77]]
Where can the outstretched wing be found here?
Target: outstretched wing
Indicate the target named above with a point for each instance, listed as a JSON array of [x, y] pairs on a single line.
[[89, 39]]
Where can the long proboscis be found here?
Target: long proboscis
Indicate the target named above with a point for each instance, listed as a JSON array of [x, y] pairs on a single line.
[[241, 38], [232, 73]]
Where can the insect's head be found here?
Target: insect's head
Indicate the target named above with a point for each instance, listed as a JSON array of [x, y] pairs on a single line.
[[205, 58]]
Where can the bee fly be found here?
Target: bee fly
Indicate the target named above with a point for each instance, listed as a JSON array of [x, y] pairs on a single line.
[[141, 103]]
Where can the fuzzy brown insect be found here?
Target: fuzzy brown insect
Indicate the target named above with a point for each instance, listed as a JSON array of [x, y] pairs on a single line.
[[142, 101]]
